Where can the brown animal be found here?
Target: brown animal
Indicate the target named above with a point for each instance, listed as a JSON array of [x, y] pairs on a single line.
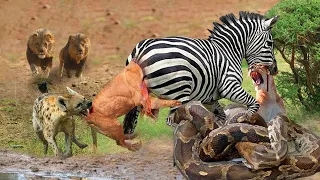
[[40, 50], [271, 104], [74, 55], [118, 97]]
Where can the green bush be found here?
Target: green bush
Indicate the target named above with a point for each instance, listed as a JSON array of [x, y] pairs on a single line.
[[297, 38]]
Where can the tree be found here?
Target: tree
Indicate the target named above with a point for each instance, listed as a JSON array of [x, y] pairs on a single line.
[[297, 38]]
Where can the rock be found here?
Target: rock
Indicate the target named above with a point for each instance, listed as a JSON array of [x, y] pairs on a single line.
[[154, 35], [34, 169], [109, 13], [46, 6], [34, 18]]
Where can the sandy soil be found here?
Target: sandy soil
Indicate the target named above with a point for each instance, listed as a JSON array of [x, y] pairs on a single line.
[[114, 28]]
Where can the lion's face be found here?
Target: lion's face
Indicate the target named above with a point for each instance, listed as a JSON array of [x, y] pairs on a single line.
[[79, 45], [41, 43]]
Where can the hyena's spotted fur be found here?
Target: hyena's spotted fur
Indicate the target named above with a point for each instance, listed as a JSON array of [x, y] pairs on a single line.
[[52, 113]]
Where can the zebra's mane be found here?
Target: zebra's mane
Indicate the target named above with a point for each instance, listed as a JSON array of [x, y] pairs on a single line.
[[229, 19]]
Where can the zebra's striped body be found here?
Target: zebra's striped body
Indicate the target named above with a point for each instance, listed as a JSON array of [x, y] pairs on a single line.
[[189, 69]]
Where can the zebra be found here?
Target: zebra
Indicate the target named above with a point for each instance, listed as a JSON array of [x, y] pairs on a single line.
[[206, 70]]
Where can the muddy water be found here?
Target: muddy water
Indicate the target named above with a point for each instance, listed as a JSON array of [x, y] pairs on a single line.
[[153, 161], [7, 176], [39, 176]]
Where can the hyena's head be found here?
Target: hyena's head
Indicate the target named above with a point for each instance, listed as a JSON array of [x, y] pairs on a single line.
[[74, 103]]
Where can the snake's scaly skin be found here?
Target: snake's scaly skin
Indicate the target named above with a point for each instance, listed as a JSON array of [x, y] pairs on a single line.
[[273, 147], [197, 134]]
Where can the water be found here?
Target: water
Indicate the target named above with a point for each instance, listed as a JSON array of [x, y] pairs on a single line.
[[28, 176], [21, 176], [10, 176]]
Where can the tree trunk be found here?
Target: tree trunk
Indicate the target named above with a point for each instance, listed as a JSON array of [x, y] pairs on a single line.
[[306, 64], [291, 62]]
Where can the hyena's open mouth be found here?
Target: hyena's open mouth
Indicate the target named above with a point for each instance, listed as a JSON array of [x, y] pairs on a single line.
[[84, 112]]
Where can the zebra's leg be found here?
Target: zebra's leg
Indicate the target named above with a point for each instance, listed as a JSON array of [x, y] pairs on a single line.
[[219, 113], [170, 120], [239, 95], [130, 122]]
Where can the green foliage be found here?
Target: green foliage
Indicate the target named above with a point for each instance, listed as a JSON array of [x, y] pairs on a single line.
[[297, 38], [288, 90], [297, 19], [149, 129]]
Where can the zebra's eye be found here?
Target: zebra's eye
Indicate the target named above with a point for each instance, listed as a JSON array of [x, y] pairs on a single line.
[[269, 43]]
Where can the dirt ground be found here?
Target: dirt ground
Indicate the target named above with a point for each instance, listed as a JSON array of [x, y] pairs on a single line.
[[114, 28]]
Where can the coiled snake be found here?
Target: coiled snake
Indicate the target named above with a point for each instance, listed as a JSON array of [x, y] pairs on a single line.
[[282, 150]]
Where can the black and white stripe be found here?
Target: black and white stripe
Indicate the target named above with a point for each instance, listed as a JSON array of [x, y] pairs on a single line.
[[188, 69]]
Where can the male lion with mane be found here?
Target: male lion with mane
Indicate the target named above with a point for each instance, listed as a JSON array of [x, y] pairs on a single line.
[[40, 50], [74, 54]]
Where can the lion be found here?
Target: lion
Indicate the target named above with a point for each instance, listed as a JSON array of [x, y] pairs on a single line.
[[74, 55], [40, 49]]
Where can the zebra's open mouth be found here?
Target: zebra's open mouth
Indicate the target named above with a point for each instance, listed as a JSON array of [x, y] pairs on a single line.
[[256, 77]]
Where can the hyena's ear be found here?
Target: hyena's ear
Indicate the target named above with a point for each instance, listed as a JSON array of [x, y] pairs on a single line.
[[71, 92], [62, 103]]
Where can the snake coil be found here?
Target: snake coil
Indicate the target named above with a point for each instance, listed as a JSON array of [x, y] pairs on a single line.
[[282, 150]]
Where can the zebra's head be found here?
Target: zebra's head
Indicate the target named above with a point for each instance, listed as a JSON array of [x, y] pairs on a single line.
[[248, 37], [259, 46]]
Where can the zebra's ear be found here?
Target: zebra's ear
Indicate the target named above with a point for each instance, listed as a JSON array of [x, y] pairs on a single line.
[[268, 23]]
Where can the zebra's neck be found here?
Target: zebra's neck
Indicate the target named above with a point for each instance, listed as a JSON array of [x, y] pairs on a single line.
[[231, 42], [235, 35], [234, 52]]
